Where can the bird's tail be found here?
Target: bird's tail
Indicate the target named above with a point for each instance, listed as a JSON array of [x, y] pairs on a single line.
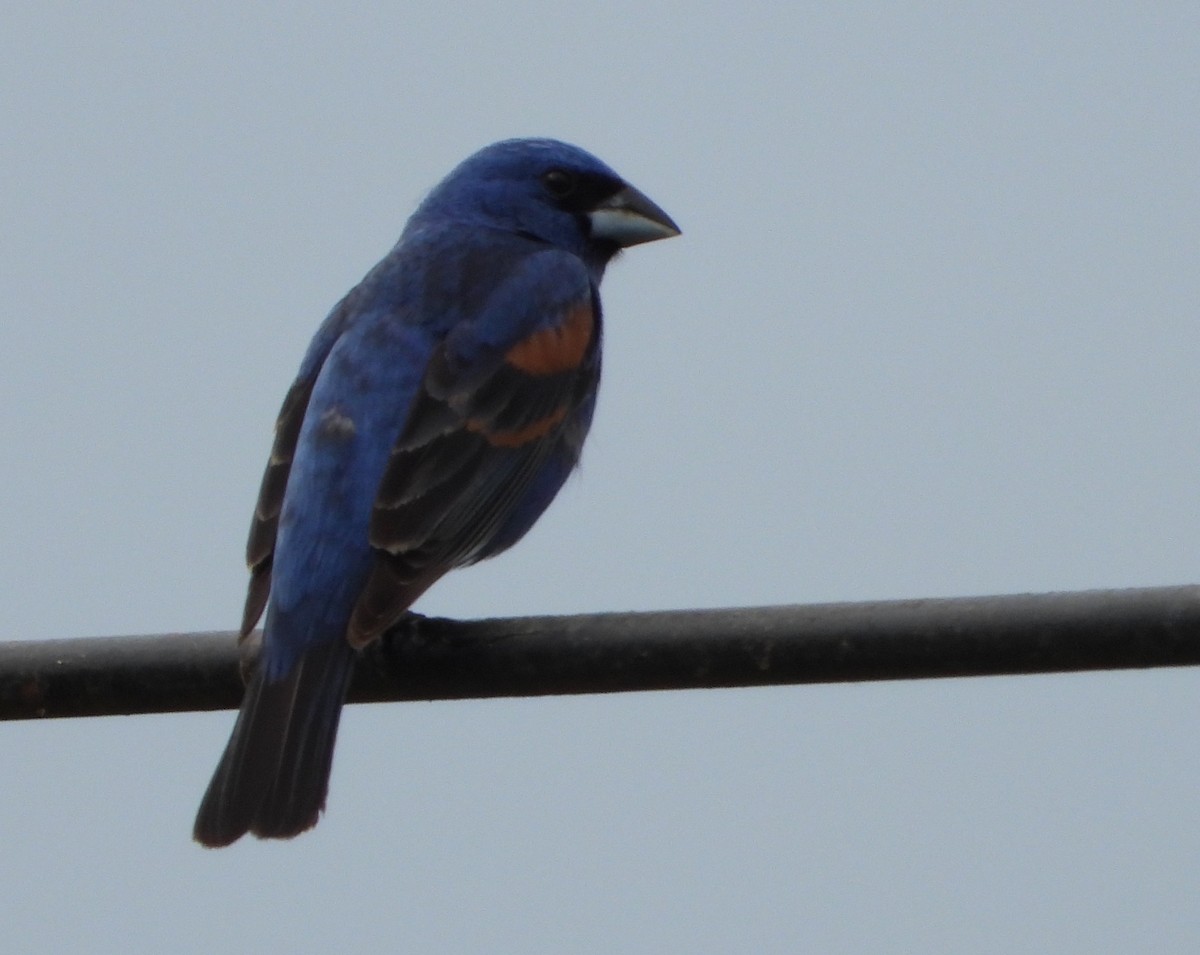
[[274, 774]]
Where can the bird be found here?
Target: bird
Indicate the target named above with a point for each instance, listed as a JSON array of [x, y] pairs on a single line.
[[438, 410]]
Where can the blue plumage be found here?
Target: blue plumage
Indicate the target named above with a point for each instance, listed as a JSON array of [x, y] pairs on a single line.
[[439, 409]]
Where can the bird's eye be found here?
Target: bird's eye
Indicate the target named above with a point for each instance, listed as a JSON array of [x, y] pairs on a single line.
[[559, 183]]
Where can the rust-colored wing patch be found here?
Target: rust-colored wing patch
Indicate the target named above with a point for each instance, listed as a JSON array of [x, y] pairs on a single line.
[[518, 436], [559, 348]]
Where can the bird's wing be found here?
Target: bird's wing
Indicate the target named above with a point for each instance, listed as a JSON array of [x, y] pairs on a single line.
[[260, 547], [484, 439]]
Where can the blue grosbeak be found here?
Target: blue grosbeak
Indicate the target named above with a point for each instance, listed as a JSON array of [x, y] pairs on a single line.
[[438, 410]]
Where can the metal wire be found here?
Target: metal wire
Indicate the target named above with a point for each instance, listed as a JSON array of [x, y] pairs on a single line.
[[431, 658]]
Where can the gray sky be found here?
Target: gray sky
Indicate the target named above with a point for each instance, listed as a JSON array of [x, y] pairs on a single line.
[[931, 330]]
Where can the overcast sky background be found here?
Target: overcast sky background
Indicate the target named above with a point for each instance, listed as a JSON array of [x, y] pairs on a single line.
[[931, 330]]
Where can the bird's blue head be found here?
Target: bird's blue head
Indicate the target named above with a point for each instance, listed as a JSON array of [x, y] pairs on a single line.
[[551, 191]]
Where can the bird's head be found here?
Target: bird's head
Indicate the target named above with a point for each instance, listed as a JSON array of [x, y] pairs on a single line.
[[551, 191]]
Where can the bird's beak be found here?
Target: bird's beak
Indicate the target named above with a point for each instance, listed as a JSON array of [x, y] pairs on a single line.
[[630, 218]]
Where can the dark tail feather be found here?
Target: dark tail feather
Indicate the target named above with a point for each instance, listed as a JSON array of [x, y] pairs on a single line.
[[274, 775]]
